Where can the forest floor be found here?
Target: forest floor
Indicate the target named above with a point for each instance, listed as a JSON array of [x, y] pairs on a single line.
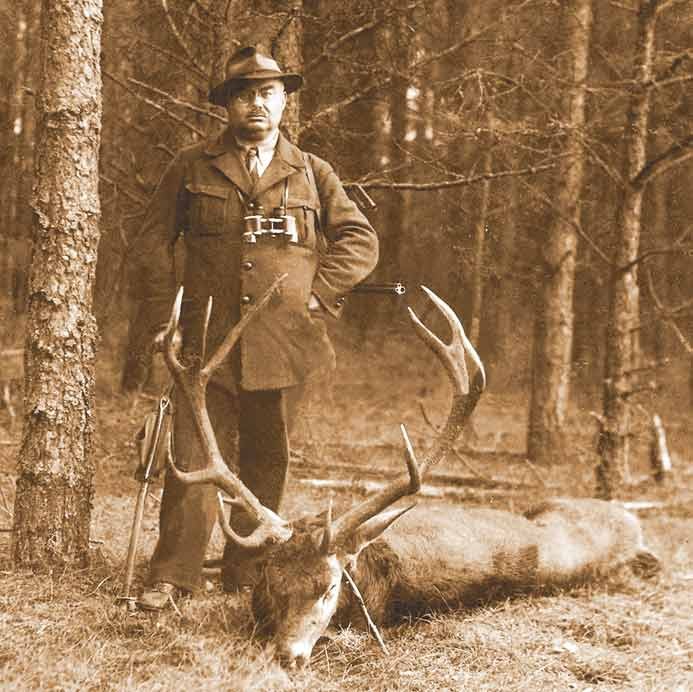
[[67, 631]]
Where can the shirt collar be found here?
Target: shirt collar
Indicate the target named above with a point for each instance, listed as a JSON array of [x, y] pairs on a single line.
[[265, 148]]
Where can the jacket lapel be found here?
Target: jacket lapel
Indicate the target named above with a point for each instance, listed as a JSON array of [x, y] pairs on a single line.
[[227, 159]]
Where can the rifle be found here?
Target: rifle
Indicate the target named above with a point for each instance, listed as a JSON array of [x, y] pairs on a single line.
[[149, 437], [396, 288]]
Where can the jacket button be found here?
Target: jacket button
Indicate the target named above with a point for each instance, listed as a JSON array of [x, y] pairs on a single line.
[[339, 302], [247, 265], [246, 300]]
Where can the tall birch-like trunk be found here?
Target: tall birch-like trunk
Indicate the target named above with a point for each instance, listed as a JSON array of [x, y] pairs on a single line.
[[480, 230], [52, 509], [17, 142], [622, 352], [546, 440]]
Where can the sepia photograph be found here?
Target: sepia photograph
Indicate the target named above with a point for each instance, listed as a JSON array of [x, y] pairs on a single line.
[[346, 345]]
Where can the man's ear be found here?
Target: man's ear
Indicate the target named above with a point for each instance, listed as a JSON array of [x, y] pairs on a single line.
[[370, 530]]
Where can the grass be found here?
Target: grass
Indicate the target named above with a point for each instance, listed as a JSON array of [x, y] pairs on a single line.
[[67, 631]]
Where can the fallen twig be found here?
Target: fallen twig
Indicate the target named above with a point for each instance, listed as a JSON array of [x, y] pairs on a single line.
[[5, 504], [642, 505], [425, 491], [362, 605], [98, 586], [469, 467], [535, 472]]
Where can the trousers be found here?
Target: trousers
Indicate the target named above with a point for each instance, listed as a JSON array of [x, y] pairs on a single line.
[[252, 433]]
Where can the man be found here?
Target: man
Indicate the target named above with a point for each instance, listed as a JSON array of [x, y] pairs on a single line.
[[207, 192]]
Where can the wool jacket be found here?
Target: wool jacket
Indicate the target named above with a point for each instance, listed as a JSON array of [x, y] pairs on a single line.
[[203, 196]]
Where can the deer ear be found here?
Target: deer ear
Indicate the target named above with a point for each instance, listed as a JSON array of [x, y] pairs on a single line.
[[372, 529]]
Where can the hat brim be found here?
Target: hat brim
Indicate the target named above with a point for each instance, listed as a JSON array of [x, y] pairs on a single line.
[[221, 93]]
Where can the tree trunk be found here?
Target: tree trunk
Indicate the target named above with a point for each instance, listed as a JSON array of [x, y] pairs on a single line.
[[480, 230], [55, 485], [503, 283], [624, 308], [553, 339], [18, 133]]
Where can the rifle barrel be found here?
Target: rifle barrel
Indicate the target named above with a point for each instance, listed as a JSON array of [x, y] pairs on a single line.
[[396, 289]]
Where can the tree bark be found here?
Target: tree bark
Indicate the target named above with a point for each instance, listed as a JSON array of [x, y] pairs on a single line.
[[622, 352], [55, 484], [553, 338]]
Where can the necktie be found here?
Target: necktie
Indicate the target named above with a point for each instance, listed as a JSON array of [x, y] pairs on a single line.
[[251, 163]]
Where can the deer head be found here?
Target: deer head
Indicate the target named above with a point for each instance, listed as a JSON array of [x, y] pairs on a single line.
[[301, 566]]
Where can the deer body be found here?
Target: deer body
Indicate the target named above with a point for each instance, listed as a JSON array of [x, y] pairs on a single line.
[[439, 558]]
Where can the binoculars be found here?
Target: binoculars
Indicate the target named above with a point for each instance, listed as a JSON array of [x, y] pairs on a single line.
[[278, 225]]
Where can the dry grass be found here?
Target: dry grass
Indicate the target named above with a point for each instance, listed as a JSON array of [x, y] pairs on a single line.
[[65, 630]]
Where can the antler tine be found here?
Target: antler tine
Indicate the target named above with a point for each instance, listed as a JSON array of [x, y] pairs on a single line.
[[327, 536], [205, 329], [234, 334], [452, 354], [260, 537], [464, 399], [399, 488], [191, 383], [169, 350]]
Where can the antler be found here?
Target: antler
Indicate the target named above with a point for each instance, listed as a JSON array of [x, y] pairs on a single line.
[[191, 381], [464, 399]]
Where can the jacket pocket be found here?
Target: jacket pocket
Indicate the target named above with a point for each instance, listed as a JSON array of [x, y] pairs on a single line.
[[307, 216], [207, 208]]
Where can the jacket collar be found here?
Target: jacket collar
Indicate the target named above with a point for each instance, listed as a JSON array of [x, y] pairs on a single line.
[[227, 158]]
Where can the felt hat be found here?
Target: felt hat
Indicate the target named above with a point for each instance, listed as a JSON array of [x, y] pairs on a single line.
[[249, 64]]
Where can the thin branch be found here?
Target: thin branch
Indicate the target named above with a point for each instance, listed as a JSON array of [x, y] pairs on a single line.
[[5, 506], [653, 252], [677, 61], [293, 14], [578, 228], [663, 311], [330, 49], [155, 105], [603, 163], [661, 5], [178, 102], [456, 182], [413, 68], [676, 154], [180, 39], [119, 188], [174, 58], [666, 311]]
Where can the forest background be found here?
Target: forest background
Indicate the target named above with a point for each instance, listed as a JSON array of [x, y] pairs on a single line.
[[530, 162]]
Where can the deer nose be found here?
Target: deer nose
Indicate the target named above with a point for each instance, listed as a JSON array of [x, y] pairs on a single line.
[[290, 660]]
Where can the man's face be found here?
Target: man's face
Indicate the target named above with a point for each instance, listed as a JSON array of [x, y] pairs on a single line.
[[255, 111]]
